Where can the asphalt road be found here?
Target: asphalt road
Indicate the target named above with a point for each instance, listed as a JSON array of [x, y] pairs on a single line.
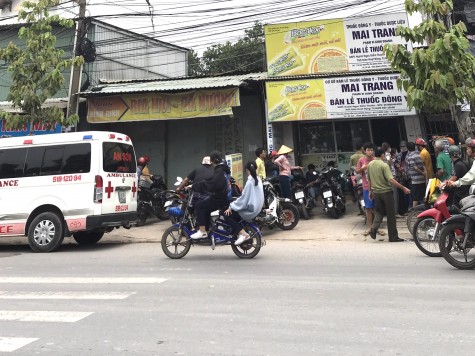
[[308, 297]]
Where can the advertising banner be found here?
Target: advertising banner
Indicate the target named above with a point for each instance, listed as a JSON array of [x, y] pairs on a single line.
[[37, 129], [336, 45], [234, 162], [162, 106], [335, 98]]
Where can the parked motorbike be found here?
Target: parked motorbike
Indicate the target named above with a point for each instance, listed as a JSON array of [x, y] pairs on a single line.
[[300, 195], [333, 199], [176, 241], [429, 223], [279, 211], [456, 239], [151, 200]]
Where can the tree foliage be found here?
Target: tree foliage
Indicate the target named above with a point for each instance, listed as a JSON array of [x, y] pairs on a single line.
[[439, 75], [245, 55], [36, 68]]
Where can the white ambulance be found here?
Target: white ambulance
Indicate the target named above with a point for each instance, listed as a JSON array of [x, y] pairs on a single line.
[[81, 184]]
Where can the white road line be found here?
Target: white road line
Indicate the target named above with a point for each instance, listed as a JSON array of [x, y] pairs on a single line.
[[43, 316], [83, 280], [10, 344], [64, 295]]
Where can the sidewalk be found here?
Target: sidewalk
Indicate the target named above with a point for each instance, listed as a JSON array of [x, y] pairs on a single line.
[[318, 227]]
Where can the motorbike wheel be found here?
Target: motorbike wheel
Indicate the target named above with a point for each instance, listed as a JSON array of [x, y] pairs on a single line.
[[304, 211], [163, 215], [289, 216], [333, 213], [450, 244], [424, 229], [88, 237], [251, 247], [174, 244], [411, 220]]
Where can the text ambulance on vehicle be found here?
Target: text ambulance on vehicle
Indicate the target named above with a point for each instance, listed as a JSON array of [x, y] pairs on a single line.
[[81, 184]]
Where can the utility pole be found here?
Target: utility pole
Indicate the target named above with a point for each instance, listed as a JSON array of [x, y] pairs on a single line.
[[76, 72]]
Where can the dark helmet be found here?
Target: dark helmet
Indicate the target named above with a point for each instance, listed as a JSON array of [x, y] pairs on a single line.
[[141, 161], [454, 150]]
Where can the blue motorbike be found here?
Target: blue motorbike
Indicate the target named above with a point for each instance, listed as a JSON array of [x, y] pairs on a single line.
[[176, 241]]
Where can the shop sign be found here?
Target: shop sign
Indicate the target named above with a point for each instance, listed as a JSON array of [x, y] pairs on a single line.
[[336, 98], [36, 129], [162, 106], [335, 45]]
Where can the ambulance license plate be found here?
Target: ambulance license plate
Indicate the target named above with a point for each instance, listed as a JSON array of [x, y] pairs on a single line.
[[122, 198]]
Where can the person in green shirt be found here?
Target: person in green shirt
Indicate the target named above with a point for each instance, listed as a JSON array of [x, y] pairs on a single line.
[[444, 163], [380, 182], [355, 157]]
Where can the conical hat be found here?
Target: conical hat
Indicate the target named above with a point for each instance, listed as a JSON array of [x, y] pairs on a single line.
[[284, 150]]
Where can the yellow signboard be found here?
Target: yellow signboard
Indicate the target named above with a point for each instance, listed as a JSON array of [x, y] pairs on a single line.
[[306, 47], [335, 45], [162, 106], [234, 162]]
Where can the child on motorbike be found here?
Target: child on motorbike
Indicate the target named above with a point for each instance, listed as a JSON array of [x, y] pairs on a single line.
[[248, 205]]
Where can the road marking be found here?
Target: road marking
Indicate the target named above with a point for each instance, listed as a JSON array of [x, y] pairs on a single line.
[[43, 316], [10, 344], [83, 280], [64, 295]]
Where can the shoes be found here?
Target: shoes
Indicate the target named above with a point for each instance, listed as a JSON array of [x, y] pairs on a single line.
[[241, 239], [199, 235], [372, 233], [397, 240]]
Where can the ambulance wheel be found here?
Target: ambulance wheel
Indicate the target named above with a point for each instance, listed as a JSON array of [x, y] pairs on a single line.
[[88, 237], [46, 232]]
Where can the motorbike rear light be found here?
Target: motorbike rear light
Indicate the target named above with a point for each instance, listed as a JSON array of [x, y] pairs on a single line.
[[98, 186]]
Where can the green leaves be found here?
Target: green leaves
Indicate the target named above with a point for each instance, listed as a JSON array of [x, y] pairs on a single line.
[[36, 68], [440, 74]]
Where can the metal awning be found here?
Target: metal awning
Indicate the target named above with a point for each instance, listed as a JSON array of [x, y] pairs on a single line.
[[172, 84], [59, 102]]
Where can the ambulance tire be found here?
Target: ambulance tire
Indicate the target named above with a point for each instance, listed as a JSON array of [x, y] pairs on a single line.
[[46, 232], [88, 237]]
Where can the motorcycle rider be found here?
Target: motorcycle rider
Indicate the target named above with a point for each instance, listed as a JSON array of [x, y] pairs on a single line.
[[141, 163], [285, 170], [145, 174], [248, 205], [460, 169], [469, 177], [216, 185], [199, 174], [425, 156]]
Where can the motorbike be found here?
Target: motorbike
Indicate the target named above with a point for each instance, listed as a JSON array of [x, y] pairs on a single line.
[[300, 194], [333, 199], [356, 181], [176, 241], [456, 239], [151, 200], [279, 212], [429, 223]]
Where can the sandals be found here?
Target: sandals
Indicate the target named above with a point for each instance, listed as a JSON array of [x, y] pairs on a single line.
[[366, 233], [381, 233]]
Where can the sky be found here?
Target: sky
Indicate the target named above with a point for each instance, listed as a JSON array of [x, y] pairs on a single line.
[[199, 24]]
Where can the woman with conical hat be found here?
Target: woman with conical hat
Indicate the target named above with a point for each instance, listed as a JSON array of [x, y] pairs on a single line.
[[285, 170]]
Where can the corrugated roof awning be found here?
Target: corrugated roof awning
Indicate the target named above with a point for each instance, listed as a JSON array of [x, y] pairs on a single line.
[[169, 84]]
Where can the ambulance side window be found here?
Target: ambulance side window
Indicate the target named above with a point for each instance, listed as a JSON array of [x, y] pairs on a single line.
[[77, 159], [33, 161], [11, 163], [52, 160]]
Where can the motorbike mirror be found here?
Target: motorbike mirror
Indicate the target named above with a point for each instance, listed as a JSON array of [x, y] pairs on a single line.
[[179, 180]]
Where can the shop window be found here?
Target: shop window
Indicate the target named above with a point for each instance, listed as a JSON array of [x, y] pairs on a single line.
[[317, 138], [351, 135]]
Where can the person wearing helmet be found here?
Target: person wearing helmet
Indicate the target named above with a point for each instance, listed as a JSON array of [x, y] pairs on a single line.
[[469, 177], [444, 163], [199, 174], [460, 169], [425, 156], [140, 165], [146, 176], [271, 168], [417, 173]]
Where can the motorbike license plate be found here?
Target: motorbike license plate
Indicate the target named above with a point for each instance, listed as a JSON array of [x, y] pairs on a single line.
[[299, 195], [327, 194], [122, 198]]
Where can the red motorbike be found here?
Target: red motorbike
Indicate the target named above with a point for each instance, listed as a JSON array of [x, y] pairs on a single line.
[[429, 223]]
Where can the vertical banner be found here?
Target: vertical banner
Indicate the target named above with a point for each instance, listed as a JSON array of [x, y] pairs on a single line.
[[234, 162]]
